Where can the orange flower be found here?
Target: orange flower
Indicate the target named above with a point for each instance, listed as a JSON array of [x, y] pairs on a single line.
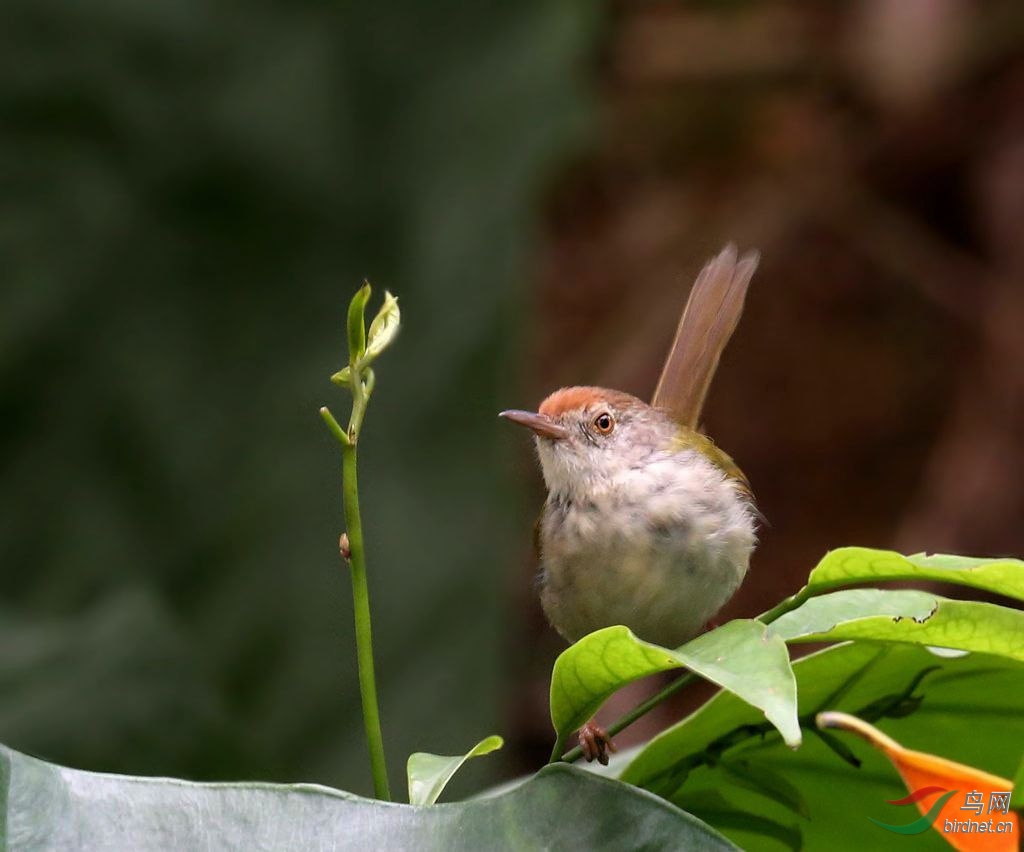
[[970, 814]]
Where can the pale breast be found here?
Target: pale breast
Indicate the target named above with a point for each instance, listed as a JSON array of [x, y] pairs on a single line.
[[661, 549]]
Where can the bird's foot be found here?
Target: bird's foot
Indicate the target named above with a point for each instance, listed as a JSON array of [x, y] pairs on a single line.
[[596, 743]]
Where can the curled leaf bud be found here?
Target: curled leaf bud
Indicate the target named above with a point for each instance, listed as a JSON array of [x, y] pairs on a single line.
[[343, 378], [357, 324], [383, 328]]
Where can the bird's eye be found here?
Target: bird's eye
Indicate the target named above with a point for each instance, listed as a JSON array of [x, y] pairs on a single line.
[[604, 423]]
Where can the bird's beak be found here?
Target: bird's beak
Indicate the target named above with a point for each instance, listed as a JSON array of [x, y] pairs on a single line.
[[541, 424]]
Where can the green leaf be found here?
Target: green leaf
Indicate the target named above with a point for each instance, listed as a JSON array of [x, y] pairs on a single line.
[[740, 656], [343, 378], [49, 807], [767, 783], [818, 677], [712, 807], [429, 773], [357, 324], [383, 328], [1017, 798], [906, 616], [849, 565], [969, 713]]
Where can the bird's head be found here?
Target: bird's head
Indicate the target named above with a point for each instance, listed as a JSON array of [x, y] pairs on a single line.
[[585, 435]]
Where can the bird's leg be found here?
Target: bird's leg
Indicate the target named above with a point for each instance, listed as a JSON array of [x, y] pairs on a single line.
[[596, 743]]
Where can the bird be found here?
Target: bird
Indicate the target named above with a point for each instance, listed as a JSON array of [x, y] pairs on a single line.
[[647, 523]]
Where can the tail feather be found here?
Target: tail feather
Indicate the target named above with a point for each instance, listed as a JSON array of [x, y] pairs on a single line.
[[707, 323]]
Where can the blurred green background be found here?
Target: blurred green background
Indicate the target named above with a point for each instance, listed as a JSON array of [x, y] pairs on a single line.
[[190, 193]]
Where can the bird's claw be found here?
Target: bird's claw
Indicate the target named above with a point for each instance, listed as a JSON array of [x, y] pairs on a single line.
[[596, 743]]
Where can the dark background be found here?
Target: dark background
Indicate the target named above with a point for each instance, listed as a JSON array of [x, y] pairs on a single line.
[[190, 193]]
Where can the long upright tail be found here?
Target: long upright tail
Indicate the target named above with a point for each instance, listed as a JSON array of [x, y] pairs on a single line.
[[708, 321]]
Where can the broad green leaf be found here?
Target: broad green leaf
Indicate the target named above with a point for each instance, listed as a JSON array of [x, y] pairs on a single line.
[[383, 328], [849, 565], [740, 656], [50, 807], [357, 323], [429, 774], [969, 713], [906, 616]]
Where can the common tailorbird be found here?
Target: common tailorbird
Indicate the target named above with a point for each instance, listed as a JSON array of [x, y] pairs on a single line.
[[647, 523]]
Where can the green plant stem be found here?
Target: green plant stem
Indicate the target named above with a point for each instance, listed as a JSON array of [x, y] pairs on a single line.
[[623, 722], [679, 684], [788, 605], [360, 380], [556, 752], [364, 639], [334, 426]]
